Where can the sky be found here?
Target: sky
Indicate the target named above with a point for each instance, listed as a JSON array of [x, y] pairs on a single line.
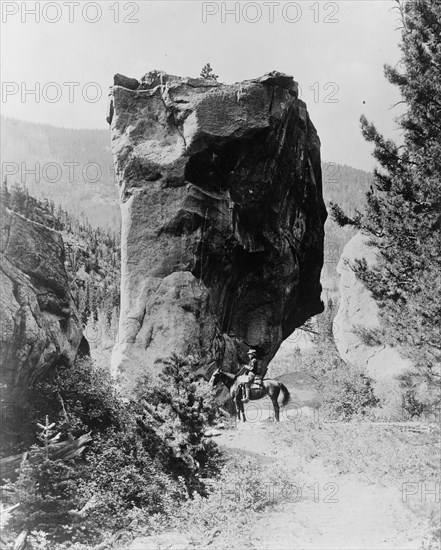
[[68, 52]]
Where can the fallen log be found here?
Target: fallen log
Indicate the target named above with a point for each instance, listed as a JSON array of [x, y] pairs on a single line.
[[20, 541], [64, 450]]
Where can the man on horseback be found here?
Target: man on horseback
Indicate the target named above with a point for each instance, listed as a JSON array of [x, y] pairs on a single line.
[[250, 372], [234, 382]]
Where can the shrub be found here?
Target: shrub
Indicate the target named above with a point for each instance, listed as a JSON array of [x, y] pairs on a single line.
[[81, 399], [124, 474], [146, 455], [183, 408], [345, 390]]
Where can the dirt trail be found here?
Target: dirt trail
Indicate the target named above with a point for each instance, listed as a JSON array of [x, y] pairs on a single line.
[[325, 509]]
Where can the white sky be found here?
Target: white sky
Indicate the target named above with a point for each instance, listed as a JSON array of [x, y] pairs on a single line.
[[171, 35]]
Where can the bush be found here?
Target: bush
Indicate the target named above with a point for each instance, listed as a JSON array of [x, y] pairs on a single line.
[[183, 408], [80, 399], [146, 455], [123, 475], [421, 398], [345, 390]]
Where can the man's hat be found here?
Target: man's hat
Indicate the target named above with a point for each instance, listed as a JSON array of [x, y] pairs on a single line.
[[251, 352]]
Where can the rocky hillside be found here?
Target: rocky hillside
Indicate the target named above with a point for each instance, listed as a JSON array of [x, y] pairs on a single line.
[[40, 324], [91, 260]]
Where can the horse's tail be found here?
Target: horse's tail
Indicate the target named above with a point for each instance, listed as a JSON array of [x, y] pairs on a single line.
[[286, 395]]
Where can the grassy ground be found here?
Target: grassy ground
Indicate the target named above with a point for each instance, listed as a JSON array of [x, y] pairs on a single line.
[[342, 469], [294, 483]]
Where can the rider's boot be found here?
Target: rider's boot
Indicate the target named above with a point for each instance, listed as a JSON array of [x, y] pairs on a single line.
[[247, 395]]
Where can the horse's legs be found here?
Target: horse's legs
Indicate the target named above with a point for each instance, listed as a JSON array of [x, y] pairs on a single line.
[[242, 410], [276, 408], [239, 408]]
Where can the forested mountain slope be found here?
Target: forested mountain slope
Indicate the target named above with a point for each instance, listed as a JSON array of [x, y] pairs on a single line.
[[74, 168], [346, 186]]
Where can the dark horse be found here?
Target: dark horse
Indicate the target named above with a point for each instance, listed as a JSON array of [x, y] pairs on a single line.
[[271, 388]]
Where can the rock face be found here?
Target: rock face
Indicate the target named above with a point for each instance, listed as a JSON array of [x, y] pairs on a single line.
[[358, 314], [39, 322], [222, 218]]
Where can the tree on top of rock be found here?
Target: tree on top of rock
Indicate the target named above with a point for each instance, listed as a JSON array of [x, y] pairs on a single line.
[[403, 210], [207, 72]]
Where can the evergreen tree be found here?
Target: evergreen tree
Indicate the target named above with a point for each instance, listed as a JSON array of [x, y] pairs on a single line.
[[18, 199], [207, 72], [403, 210], [48, 490], [5, 198]]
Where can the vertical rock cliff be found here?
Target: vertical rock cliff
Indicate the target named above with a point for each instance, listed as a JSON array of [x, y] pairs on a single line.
[[222, 218], [358, 316], [39, 322]]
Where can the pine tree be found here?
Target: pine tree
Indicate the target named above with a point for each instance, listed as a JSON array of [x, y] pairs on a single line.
[[47, 489], [403, 208], [18, 198], [207, 72], [5, 194]]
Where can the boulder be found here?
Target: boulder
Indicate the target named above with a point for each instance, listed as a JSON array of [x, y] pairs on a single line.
[[222, 219], [358, 318], [40, 325]]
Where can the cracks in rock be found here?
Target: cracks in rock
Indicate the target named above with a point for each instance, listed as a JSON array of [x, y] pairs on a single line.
[[211, 194], [271, 101], [179, 130], [140, 319], [171, 110], [217, 85]]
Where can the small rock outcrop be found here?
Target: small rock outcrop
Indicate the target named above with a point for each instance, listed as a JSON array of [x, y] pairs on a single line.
[[222, 218], [39, 321], [358, 316]]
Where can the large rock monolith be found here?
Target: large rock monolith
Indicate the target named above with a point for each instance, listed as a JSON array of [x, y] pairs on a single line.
[[222, 218]]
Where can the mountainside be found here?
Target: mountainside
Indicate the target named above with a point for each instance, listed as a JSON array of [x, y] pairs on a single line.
[[347, 186], [74, 168]]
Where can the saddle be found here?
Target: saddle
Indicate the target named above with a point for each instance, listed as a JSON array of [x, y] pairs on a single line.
[[257, 384]]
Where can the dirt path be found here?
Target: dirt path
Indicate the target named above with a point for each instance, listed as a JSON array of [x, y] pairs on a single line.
[[324, 509]]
